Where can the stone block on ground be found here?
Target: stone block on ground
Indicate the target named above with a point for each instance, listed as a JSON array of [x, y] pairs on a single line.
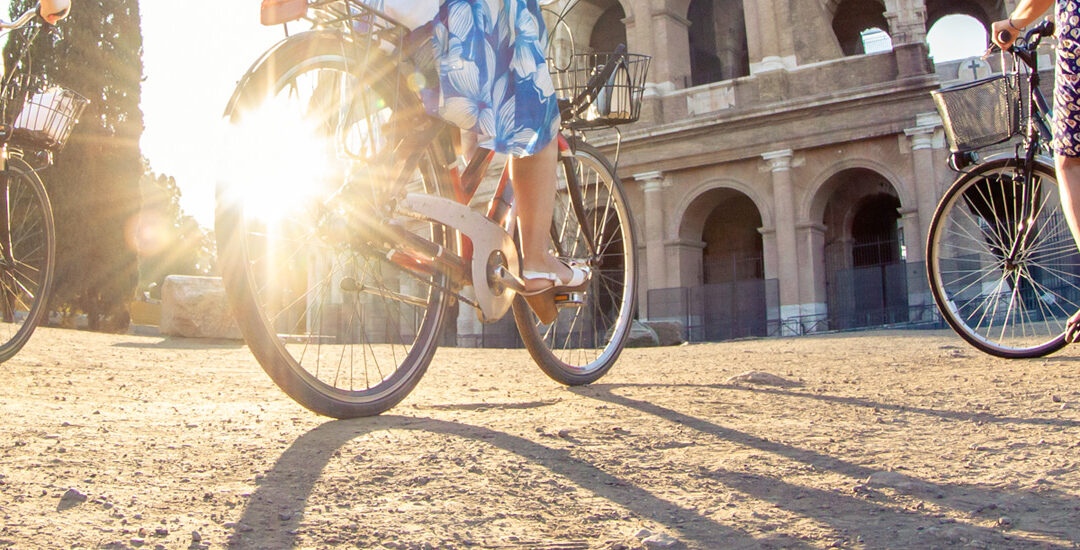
[[668, 333], [195, 307], [641, 336]]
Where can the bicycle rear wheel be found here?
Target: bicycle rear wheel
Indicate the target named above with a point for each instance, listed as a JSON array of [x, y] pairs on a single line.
[[1002, 264], [27, 247], [332, 315], [592, 224]]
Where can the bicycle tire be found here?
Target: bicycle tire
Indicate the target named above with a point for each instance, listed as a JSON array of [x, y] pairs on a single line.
[[584, 342], [27, 255], [312, 347], [1007, 309]]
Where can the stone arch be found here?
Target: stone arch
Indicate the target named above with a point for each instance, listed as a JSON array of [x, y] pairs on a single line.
[[588, 22], [721, 251], [812, 206], [985, 11], [678, 229], [861, 254], [852, 17]]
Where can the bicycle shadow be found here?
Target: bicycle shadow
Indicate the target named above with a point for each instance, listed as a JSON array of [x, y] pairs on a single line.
[[300, 467], [980, 416], [850, 511]]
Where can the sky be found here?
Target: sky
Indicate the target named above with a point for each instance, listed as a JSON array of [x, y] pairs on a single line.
[[194, 54]]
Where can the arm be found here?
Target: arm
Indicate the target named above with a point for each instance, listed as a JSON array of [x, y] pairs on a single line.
[[1024, 14], [54, 10]]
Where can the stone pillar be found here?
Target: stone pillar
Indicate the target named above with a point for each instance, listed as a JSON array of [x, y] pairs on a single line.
[[771, 258], [926, 196], [907, 21], [811, 239], [786, 244], [655, 260], [762, 36], [670, 48], [685, 257]]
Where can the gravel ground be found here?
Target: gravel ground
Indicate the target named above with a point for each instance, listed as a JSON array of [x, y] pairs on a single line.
[[886, 439]]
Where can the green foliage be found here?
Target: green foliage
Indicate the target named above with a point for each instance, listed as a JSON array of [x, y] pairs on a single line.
[[168, 241], [94, 184]]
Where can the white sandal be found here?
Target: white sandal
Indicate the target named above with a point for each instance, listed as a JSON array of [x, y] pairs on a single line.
[[542, 301]]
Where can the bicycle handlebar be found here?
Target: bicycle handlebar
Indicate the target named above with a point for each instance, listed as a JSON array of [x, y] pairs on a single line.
[[22, 20]]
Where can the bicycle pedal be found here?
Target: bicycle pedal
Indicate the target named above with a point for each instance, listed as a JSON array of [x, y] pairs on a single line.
[[569, 299]]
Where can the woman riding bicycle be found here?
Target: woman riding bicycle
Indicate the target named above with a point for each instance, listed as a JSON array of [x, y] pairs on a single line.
[[1066, 123], [495, 86]]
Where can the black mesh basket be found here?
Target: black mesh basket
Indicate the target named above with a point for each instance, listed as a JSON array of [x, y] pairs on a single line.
[[980, 113], [40, 115], [618, 100]]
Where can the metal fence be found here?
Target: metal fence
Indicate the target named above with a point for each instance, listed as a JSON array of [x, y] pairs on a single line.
[[894, 295]]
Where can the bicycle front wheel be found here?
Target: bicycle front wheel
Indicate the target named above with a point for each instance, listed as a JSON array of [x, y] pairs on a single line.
[[1002, 264], [342, 321], [27, 247], [592, 224]]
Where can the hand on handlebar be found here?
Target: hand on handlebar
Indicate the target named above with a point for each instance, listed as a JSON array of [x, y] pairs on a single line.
[[1003, 34], [52, 11]]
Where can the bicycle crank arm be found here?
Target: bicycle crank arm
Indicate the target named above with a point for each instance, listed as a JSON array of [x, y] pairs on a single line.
[[493, 248]]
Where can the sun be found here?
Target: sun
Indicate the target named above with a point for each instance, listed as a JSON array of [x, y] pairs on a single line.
[[276, 159]]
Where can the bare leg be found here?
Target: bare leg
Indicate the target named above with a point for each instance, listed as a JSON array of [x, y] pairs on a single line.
[[1068, 174], [533, 178]]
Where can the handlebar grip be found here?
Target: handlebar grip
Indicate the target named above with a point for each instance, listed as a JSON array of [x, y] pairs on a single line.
[[1004, 36]]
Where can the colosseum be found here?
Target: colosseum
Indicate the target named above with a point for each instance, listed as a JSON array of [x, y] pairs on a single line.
[[788, 158]]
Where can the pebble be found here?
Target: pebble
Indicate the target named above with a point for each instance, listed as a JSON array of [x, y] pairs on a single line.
[[660, 540], [72, 497], [643, 534], [196, 536], [1005, 521]]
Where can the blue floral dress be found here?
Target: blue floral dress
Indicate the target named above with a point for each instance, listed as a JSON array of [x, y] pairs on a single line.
[[493, 74], [1067, 80]]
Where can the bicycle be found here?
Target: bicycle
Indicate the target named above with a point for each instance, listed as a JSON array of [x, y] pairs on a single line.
[[342, 283], [36, 119], [1002, 265]]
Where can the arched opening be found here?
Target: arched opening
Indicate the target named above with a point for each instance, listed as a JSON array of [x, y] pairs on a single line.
[[856, 17], [717, 34], [865, 274], [609, 30], [956, 36], [733, 296]]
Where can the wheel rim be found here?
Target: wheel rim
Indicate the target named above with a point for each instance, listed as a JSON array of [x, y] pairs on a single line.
[[587, 338], [1007, 302], [353, 325], [25, 257]]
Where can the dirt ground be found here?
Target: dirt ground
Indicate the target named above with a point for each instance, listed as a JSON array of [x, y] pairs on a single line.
[[884, 439]]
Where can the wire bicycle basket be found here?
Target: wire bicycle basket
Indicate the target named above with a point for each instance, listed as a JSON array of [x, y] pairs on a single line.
[[618, 100], [980, 113], [40, 115]]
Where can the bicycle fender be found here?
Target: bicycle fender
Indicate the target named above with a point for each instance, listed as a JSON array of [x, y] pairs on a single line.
[[306, 40]]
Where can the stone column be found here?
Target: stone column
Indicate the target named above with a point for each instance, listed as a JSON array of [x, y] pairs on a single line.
[[926, 196], [655, 261], [786, 245], [762, 34], [907, 21], [670, 33], [811, 239], [771, 257]]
